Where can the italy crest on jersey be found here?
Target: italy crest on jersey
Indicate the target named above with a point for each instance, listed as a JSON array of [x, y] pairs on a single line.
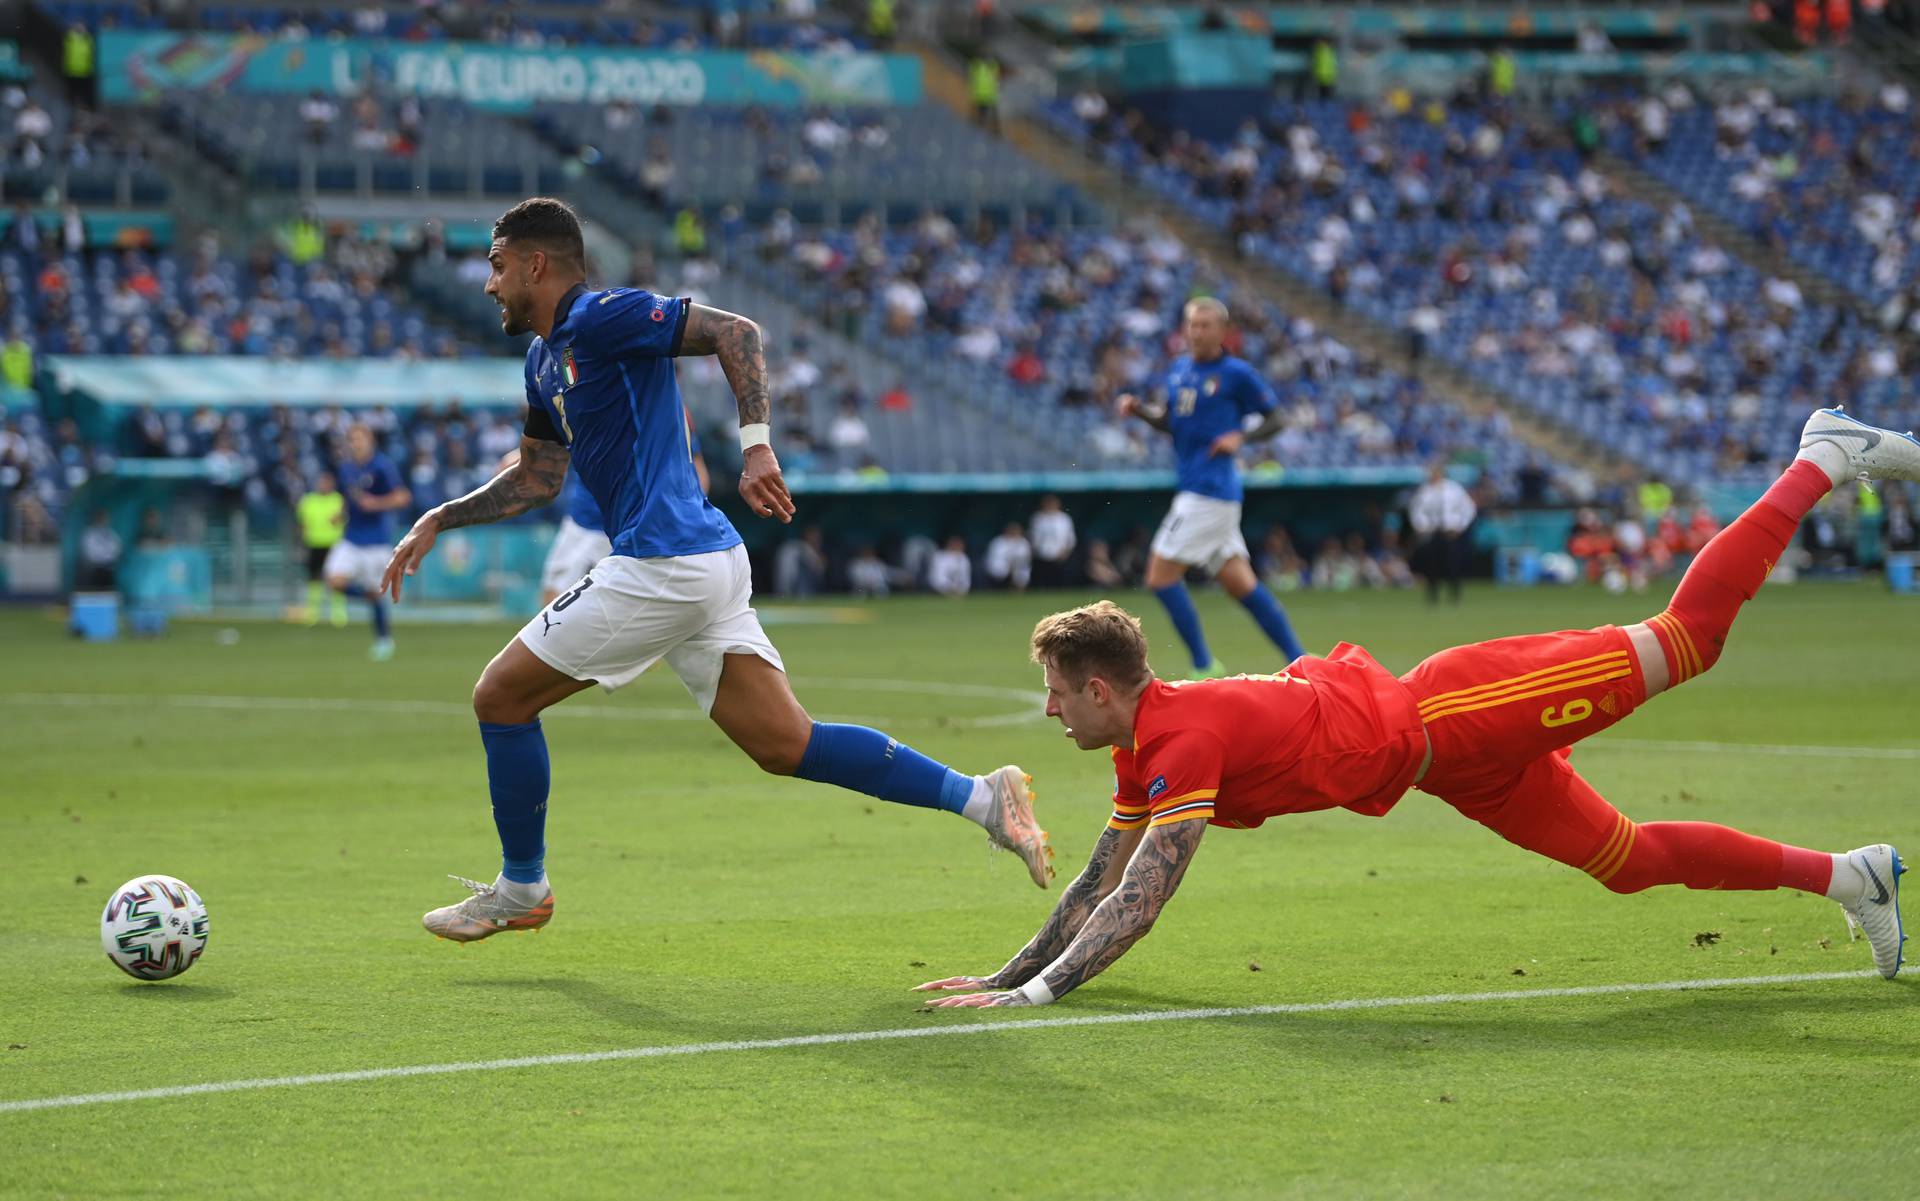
[[568, 371]]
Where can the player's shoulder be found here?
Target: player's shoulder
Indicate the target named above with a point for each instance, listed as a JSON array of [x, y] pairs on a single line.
[[1233, 364], [1174, 710]]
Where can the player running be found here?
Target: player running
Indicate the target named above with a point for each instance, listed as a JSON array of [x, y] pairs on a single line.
[[373, 488], [1485, 728], [1209, 394], [582, 538], [601, 393]]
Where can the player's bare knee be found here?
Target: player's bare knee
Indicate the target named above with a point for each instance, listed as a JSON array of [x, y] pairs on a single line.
[[498, 703]]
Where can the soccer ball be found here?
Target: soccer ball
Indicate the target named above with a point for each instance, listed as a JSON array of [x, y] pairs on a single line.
[[154, 927]]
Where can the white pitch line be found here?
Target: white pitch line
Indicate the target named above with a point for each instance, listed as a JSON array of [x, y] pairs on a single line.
[[325, 704], [871, 1036]]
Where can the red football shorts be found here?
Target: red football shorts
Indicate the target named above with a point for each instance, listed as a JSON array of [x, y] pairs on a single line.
[[1495, 710]]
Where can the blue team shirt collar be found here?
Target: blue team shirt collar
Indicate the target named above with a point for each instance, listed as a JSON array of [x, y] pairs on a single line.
[[566, 305]]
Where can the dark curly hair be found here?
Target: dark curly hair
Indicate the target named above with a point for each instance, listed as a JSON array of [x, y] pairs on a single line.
[[543, 223]]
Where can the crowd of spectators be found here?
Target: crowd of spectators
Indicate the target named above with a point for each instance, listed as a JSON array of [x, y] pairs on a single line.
[[1489, 240], [1829, 181], [1057, 324], [790, 24], [335, 299]]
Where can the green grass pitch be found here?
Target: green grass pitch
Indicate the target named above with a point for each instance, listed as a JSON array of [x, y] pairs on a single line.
[[700, 901]]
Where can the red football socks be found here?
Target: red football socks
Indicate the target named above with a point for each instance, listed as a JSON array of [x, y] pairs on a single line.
[[1731, 568]]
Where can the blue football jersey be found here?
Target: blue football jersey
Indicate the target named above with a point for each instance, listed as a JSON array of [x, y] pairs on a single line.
[[1205, 400], [602, 384], [579, 505], [376, 477]]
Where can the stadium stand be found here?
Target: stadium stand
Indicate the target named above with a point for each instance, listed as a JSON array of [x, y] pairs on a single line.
[[1492, 244], [542, 23]]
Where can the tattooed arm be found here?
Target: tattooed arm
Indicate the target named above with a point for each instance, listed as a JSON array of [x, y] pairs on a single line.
[[736, 341], [1154, 415], [1077, 903], [1118, 922], [529, 483]]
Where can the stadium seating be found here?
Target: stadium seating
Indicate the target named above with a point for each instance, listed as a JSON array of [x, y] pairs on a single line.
[[1830, 180], [370, 146], [136, 302], [819, 165], [1075, 299], [566, 22], [1599, 313], [53, 148]]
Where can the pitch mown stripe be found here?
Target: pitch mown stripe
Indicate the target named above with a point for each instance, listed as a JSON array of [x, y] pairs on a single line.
[[929, 1031]]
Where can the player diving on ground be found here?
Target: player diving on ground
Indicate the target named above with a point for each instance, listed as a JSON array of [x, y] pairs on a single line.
[[1485, 728], [601, 395]]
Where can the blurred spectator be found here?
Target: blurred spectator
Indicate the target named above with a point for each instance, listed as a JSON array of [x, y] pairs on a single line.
[[100, 547], [800, 565], [1053, 542], [949, 571], [1099, 568], [868, 575], [983, 85], [318, 113], [1009, 560], [848, 435], [1440, 513]]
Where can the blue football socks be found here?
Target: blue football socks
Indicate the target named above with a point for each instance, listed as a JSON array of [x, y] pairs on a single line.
[[380, 626], [1186, 619], [865, 760], [1273, 620], [518, 776]]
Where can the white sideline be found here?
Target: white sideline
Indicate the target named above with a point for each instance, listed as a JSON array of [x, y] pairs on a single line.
[[330, 704], [334, 704], [929, 1031]]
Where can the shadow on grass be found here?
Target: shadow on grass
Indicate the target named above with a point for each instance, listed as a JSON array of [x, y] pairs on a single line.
[[173, 992]]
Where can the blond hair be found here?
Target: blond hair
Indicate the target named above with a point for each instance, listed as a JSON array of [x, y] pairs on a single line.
[[1100, 639]]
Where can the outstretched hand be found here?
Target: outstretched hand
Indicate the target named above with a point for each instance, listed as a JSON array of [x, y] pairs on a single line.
[[955, 982], [763, 487], [981, 1000], [407, 556]]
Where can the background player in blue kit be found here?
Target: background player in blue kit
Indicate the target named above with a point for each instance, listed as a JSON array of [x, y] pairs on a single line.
[[373, 488], [1210, 396], [601, 394]]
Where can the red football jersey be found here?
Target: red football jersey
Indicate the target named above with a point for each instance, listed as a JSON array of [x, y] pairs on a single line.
[[1338, 732]]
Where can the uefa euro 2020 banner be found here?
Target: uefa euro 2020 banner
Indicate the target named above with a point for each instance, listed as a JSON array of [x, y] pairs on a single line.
[[141, 66]]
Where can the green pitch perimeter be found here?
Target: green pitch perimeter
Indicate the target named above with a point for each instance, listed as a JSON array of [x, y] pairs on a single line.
[[701, 902]]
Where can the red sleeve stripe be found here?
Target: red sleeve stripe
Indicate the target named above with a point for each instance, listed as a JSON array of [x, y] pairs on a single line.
[[1126, 821]]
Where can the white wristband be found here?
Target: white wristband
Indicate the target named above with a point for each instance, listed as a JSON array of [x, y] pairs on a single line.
[[1036, 991], [757, 434]]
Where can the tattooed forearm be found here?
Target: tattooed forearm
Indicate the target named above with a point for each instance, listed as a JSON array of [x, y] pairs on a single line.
[[1076, 905], [742, 356], [534, 481], [1155, 417], [1125, 916]]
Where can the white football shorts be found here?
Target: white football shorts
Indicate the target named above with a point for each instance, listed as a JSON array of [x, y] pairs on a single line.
[[1201, 531], [627, 614], [574, 551], [362, 565]]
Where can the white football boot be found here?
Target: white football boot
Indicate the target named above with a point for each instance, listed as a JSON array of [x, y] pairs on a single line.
[[1011, 825], [486, 913], [1872, 453], [1875, 912]]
